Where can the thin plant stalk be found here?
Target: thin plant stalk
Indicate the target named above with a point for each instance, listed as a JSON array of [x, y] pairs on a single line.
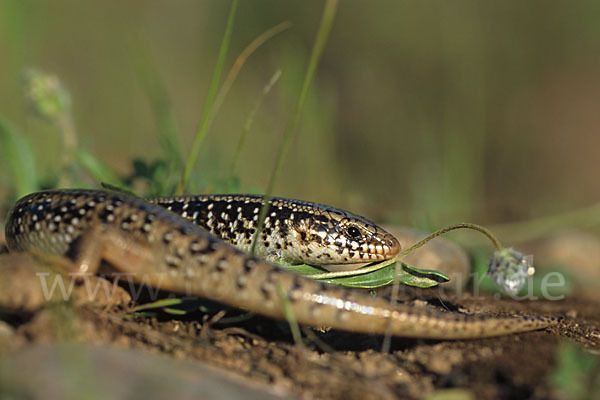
[[325, 25], [250, 120], [160, 102], [387, 338], [69, 138], [206, 112], [586, 217], [288, 312], [241, 60]]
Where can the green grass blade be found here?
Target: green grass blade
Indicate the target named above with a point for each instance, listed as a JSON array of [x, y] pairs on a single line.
[[19, 160], [315, 56], [100, 171], [320, 41], [206, 112], [288, 312], [158, 304], [241, 60], [174, 311], [118, 189], [248, 123], [160, 103]]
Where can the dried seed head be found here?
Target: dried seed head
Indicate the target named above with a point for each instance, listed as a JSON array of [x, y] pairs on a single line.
[[509, 269], [45, 94]]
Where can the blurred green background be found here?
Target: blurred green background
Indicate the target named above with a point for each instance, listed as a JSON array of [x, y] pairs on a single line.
[[421, 112]]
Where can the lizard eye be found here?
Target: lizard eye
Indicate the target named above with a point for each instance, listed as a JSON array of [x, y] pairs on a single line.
[[353, 232]]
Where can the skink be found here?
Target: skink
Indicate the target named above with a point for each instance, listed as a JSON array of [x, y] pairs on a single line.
[[162, 249]]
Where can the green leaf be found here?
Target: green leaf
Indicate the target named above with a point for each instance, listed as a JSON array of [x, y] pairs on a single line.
[[19, 159], [407, 275], [430, 273], [304, 269], [155, 174]]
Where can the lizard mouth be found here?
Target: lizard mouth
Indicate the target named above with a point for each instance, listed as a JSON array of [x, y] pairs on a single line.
[[380, 249], [385, 249], [393, 244]]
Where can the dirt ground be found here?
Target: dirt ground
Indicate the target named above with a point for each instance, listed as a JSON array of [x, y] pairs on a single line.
[[261, 354]]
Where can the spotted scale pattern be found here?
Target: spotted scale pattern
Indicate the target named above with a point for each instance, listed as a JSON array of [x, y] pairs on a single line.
[[159, 248], [295, 232]]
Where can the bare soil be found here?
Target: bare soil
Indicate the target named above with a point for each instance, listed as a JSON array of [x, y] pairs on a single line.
[[327, 364]]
